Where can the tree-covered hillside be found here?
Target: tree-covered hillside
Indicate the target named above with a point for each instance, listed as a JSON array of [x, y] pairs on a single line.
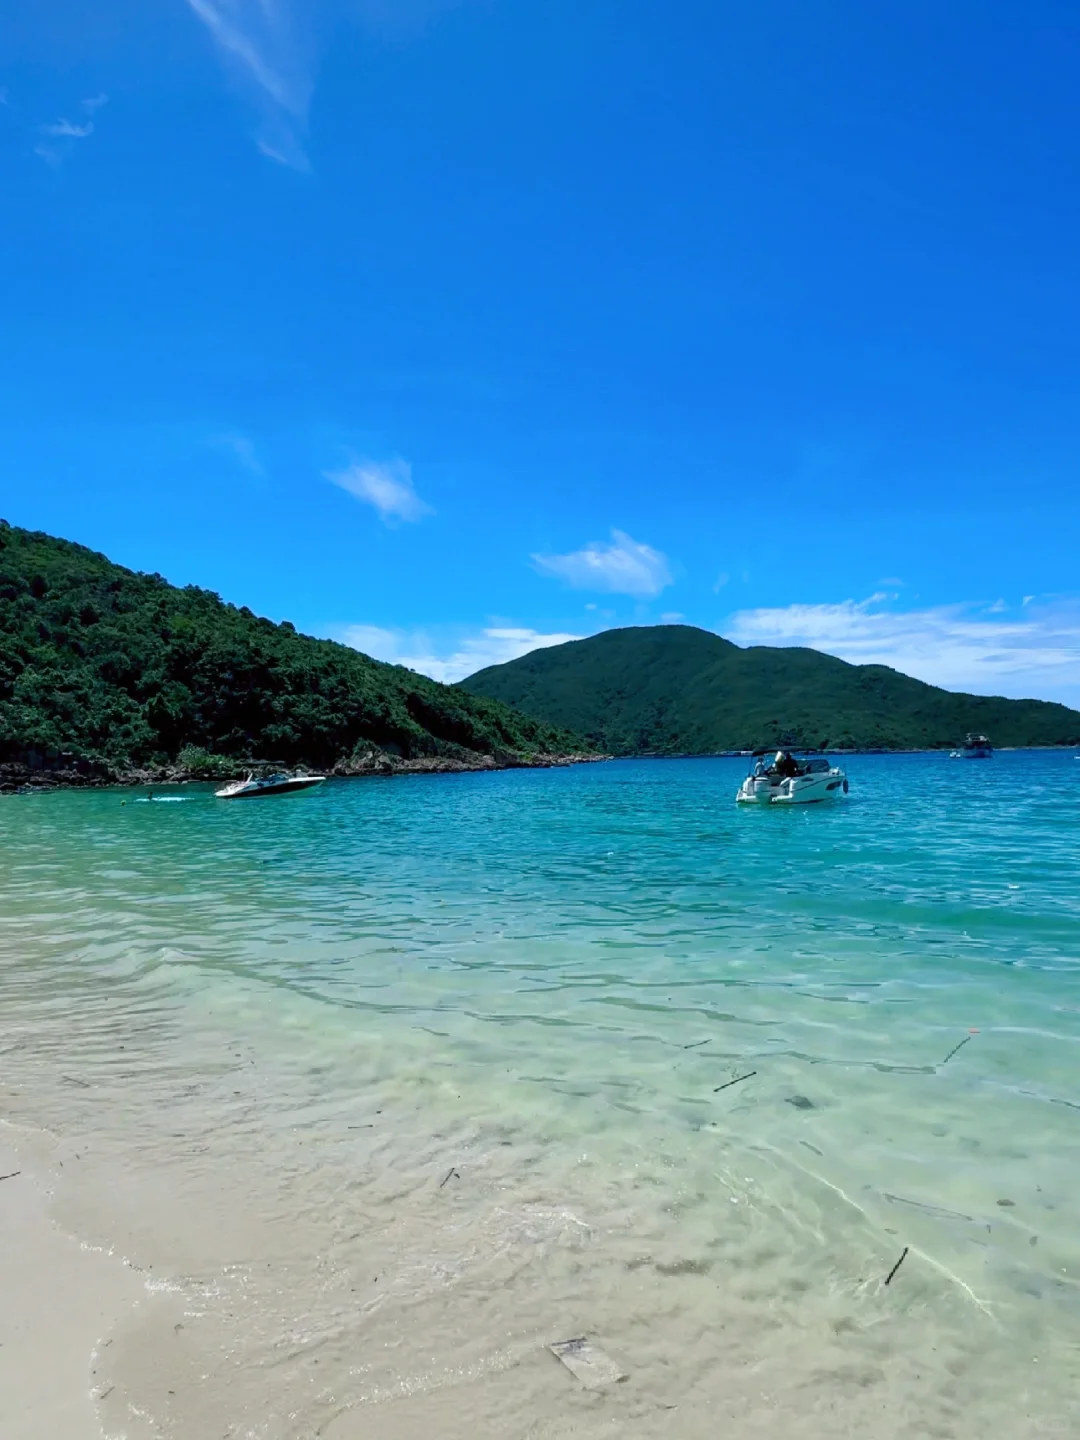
[[673, 689], [123, 669]]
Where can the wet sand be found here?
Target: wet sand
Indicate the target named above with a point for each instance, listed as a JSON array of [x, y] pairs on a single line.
[[61, 1303]]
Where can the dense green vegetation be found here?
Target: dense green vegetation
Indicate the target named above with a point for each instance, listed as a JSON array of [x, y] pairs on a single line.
[[673, 689], [122, 669]]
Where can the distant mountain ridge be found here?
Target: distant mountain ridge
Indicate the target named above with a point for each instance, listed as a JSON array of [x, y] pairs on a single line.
[[675, 689], [104, 670]]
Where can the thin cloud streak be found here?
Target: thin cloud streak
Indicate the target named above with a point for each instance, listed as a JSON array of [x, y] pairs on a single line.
[[982, 648], [625, 567], [270, 48], [66, 129], [461, 656], [230, 33], [261, 47]]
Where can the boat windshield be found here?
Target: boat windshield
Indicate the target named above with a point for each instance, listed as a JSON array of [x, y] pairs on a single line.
[[786, 763]]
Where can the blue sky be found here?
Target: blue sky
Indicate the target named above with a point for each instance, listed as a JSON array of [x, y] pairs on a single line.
[[448, 327]]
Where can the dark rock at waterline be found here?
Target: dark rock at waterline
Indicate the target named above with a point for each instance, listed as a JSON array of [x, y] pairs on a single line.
[[21, 779]]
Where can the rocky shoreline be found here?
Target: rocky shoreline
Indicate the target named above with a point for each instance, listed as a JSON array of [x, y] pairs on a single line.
[[16, 779]]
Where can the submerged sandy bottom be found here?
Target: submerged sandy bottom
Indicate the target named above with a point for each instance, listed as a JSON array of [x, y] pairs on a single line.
[[326, 1133], [317, 1258]]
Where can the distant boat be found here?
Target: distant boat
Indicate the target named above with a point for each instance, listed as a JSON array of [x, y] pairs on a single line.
[[976, 747], [250, 788]]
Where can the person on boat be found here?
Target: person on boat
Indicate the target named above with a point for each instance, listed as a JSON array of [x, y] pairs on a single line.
[[785, 765]]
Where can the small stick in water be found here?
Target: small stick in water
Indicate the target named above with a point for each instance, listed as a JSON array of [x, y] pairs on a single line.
[[447, 1176], [11, 1176], [738, 1079], [892, 1272], [961, 1045], [697, 1044]]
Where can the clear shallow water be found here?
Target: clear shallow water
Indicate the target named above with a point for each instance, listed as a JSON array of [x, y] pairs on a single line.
[[388, 1085]]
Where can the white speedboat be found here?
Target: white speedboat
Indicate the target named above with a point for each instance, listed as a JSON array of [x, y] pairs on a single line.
[[786, 779], [250, 787]]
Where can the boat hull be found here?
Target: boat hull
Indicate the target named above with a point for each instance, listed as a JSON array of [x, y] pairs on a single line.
[[813, 789], [819, 788], [760, 790], [292, 786]]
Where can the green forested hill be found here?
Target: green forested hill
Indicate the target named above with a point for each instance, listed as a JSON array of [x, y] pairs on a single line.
[[123, 669], [673, 689]]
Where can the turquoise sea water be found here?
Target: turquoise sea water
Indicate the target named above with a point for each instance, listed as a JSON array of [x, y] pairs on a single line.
[[478, 1026]]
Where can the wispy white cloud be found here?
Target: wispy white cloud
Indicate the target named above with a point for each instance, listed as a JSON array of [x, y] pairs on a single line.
[[459, 655], [286, 155], [67, 129], [1034, 651], [254, 33], [270, 50], [625, 567], [267, 52], [386, 485], [58, 135], [243, 450]]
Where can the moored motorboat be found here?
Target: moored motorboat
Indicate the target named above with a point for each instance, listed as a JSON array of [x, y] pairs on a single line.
[[976, 747], [788, 779], [250, 787]]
